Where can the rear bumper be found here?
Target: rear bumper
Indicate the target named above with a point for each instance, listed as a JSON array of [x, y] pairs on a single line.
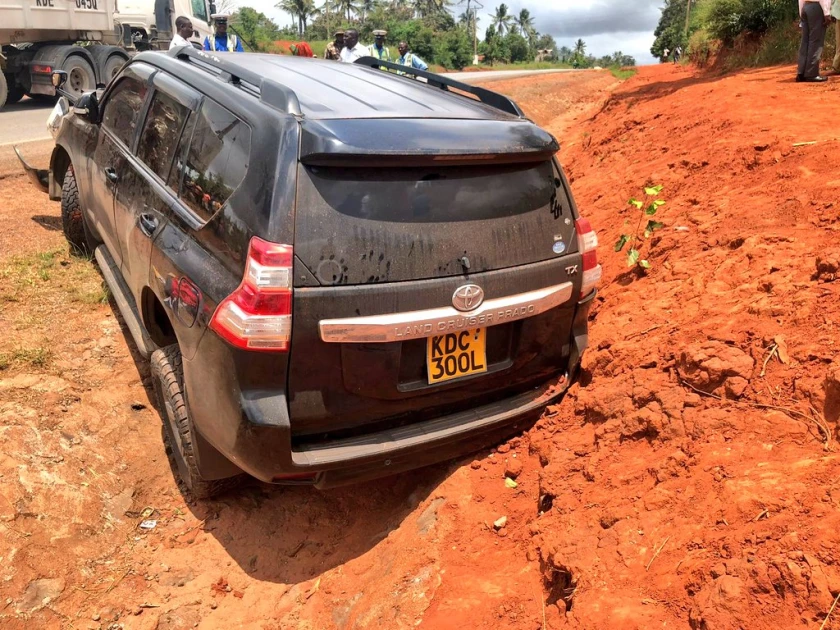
[[251, 431]]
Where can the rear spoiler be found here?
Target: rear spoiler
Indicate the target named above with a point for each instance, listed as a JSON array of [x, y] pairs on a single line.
[[423, 141], [488, 97]]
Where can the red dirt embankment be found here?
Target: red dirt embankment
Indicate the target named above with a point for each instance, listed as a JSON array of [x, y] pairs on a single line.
[[689, 480], [683, 484]]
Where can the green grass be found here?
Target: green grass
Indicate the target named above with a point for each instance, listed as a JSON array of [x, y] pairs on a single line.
[[53, 275], [622, 74], [36, 356]]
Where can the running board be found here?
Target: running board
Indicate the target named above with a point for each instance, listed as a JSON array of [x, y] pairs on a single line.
[[125, 302]]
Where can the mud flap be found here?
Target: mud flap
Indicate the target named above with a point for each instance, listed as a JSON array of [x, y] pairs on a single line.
[[40, 177], [580, 336]]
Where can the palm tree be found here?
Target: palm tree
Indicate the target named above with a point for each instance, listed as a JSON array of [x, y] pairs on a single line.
[[425, 8], [469, 21], [301, 10], [525, 24], [580, 48], [502, 20], [346, 7]]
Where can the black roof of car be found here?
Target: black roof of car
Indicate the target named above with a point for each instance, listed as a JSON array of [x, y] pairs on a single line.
[[331, 90]]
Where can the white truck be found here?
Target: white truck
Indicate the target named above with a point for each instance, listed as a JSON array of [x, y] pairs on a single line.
[[88, 39]]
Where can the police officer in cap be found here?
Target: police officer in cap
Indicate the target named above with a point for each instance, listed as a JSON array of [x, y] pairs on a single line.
[[379, 49], [221, 41]]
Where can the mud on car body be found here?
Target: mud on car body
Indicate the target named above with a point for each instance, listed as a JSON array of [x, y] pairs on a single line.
[[338, 273]]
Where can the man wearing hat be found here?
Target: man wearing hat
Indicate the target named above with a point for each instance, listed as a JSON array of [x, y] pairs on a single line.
[[379, 49], [333, 52], [221, 41]]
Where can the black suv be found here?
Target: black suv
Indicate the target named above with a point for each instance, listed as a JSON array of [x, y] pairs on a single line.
[[338, 272]]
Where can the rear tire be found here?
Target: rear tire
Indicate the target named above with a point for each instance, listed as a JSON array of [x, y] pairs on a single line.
[[4, 90], [14, 92], [80, 76], [72, 219], [168, 375]]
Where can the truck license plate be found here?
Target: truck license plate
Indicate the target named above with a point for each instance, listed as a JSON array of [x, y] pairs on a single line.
[[455, 355]]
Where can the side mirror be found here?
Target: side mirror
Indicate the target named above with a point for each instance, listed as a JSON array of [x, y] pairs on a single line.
[[212, 8], [59, 78], [87, 107]]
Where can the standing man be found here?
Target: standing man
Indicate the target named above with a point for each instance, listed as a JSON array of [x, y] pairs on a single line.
[[353, 50], [410, 59], [184, 29], [221, 41], [379, 49], [333, 52], [815, 16]]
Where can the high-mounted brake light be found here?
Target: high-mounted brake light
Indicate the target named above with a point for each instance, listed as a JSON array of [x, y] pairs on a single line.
[[588, 247], [258, 315]]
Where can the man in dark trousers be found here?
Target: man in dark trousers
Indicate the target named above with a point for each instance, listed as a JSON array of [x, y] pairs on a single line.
[[815, 17]]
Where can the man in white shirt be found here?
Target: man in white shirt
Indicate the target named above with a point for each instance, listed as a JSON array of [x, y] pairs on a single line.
[[815, 16], [353, 50], [185, 31]]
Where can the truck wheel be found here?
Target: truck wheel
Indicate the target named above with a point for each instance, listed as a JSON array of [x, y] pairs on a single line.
[[80, 76], [108, 60], [168, 376], [72, 220], [4, 90], [13, 90], [112, 67]]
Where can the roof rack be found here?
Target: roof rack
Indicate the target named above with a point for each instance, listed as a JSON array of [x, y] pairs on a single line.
[[270, 92], [488, 97]]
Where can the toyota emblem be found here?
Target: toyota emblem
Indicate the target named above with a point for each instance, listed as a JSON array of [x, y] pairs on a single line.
[[468, 298]]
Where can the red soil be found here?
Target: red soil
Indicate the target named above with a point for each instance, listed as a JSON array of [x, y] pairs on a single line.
[[683, 483]]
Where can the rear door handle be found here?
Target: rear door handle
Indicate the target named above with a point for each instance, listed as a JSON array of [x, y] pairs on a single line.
[[148, 224], [111, 174]]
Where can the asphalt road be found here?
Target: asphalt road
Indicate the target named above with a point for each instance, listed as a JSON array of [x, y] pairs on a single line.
[[495, 75], [26, 121]]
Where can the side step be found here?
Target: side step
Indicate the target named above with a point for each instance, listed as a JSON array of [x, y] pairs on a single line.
[[125, 302]]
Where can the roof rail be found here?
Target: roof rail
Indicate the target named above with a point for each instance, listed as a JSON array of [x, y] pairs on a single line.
[[270, 92], [488, 97]]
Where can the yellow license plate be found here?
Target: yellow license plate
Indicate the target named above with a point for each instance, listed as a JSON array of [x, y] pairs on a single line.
[[456, 355]]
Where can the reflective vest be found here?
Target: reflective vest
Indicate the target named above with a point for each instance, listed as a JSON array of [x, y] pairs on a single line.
[[231, 43]]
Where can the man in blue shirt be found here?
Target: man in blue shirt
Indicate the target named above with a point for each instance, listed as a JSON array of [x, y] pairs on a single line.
[[410, 59], [221, 41]]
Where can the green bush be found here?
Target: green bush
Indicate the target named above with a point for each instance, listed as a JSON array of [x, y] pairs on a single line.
[[726, 19], [701, 46]]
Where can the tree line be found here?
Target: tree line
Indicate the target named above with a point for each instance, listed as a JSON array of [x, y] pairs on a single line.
[[693, 24], [433, 29]]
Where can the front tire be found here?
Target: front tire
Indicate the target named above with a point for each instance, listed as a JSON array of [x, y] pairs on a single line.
[[72, 220], [168, 375]]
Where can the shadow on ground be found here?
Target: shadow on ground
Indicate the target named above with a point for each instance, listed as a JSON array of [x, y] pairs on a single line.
[[290, 534]]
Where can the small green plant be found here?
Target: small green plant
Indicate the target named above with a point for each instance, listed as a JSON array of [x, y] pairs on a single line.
[[636, 240]]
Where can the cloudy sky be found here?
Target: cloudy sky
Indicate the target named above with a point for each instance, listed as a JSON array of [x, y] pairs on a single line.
[[605, 25]]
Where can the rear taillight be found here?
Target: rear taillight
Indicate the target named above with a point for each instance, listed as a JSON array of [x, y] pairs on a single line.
[[258, 315], [588, 247], [42, 69]]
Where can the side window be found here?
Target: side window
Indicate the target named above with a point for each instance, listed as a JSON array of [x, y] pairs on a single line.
[[217, 160], [161, 133], [123, 108], [199, 9]]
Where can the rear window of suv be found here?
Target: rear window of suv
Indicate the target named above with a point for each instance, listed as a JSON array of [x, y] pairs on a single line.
[[217, 160]]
